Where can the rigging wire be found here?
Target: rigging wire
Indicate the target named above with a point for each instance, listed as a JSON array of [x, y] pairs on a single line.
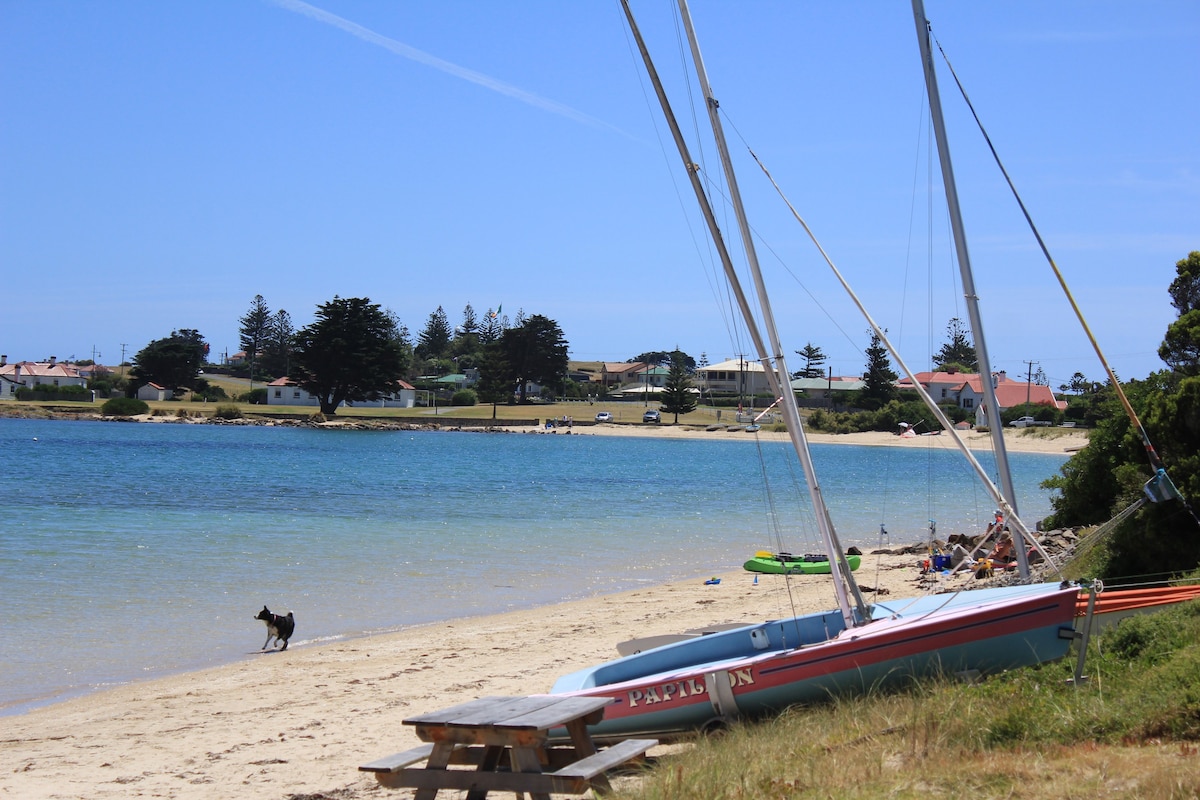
[[717, 285], [1162, 481]]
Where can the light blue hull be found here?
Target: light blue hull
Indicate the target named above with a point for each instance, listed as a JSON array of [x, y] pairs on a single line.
[[768, 666]]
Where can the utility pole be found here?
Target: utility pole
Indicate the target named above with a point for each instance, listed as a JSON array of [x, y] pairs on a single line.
[[741, 381], [1029, 380]]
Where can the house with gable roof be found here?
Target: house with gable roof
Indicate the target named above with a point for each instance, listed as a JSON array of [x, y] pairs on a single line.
[[829, 390], [286, 392], [618, 374], [152, 391], [965, 390], [28, 374], [8, 387], [735, 376]]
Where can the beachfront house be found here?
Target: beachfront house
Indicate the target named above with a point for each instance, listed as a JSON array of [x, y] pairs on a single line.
[[827, 392], [28, 374], [286, 392], [965, 390], [735, 377], [618, 374]]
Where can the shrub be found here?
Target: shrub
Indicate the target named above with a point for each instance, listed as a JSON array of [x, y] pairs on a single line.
[[203, 391], [124, 407], [464, 397], [256, 397], [227, 412]]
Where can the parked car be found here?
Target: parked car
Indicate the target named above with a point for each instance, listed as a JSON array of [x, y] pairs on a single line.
[[1027, 422], [604, 416], [652, 416]]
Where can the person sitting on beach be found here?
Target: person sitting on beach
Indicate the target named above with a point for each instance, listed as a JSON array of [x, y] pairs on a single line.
[[1003, 551]]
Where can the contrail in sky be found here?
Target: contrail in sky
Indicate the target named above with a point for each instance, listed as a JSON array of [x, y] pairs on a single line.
[[413, 54]]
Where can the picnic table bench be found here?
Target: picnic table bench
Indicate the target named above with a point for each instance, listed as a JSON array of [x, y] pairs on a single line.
[[508, 741]]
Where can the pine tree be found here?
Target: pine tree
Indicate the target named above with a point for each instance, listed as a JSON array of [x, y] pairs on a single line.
[[277, 350], [677, 395], [958, 353], [496, 378], [255, 325], [470, 323], [814, 362], [880, 378], [434, 340], [491, 327]]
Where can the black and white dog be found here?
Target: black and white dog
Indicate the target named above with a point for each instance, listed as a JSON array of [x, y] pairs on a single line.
[[279, 627]]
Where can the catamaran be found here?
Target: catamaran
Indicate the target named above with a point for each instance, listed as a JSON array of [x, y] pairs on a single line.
[[704, 681]]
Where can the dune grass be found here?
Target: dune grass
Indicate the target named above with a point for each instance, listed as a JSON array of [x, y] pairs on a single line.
[[1130, 731]]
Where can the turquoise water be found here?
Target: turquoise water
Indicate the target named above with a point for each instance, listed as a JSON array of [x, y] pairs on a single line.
[[135, 550]]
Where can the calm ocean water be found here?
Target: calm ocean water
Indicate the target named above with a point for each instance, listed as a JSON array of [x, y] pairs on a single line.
[[133, 550]]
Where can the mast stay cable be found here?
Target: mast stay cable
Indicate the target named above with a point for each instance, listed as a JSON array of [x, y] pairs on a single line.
[[1160, 487]]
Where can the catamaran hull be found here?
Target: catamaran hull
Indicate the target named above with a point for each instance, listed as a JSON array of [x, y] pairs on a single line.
[[1114, 605], [988, 638]]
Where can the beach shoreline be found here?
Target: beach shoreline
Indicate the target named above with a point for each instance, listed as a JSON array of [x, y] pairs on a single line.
[[301, 721], [1060, 441], [1063, 441]]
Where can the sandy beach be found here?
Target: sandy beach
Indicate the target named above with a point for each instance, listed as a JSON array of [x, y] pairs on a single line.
[[1027, 440], [297, 724]]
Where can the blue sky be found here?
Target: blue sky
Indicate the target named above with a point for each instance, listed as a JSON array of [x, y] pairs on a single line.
[[162, 163]]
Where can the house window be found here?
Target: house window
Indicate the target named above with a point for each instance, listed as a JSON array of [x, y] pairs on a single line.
[[968, 403], [296, 394], [278, 394], [943, 394]]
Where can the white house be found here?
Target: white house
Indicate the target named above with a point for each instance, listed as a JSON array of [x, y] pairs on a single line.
[[152, 391], [736, 376], [8, 388], [31, 373], [965, 389], [285, 392]]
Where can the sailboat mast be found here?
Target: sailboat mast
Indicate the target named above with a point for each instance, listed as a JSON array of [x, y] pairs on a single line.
[[843, 576], [692, 170], [774, 361], [995, 426]]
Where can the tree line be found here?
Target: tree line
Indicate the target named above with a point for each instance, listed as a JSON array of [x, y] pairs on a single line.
[[1109, 475], [355, 350]]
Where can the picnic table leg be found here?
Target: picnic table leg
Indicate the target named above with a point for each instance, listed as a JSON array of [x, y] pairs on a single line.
[[525, 759], [491, 760], [438, 759], [584, 747]]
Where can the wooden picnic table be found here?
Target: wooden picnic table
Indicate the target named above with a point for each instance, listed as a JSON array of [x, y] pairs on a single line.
[[507, 740]]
